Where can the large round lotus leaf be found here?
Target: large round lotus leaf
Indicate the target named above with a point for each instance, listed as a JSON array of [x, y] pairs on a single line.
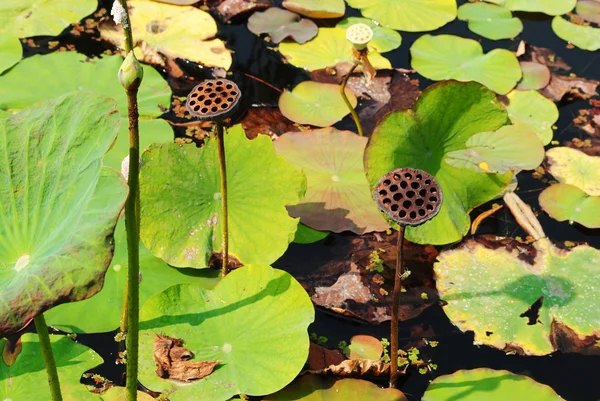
[[567, 202], [27, 380], [338, 197], [11, 51], [550, 7], [535, 75], [254, 322], [489, 385], [327, 49], [584, 37], [317, 8], [175, 31], [589, 10], [408, 15], [58, 205], [490, 21], [446, 115], [118, 393], [384, 39], [534, 110], [510, 148], [315, 103], [318, 388], [181, 219], [39, 77], [280, 24], [452, 57], [490, 291], [572, 166], [26, 18], [106, 305]]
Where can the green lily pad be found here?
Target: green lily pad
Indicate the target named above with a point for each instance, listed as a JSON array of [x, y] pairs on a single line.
[[550, 7], [589, 10], [327, 49], [338, 197], [490, 291], [572, 166], [490, 21], [487, 384], [26, 379], [452, 57], [567, 202], [408, 15], [4, 114], [106, 305], [181, 184], [120, 393], [317, 8], [11, 51], [364, 347], [318, 388], [40, 77], [535, 76], [176, 31], [280, 24], [384, 39], [584, 37], [307, 235], [535, 111], [255, 322], [446, 115], [510, 148], [58, 204], [315, 103]]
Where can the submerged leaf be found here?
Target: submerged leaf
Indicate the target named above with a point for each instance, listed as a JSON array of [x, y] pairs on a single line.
[[490, 21], [572, 166], [584, 37], [535, 75], [365, 347], [589, 10], [567, 202], [280, 24]]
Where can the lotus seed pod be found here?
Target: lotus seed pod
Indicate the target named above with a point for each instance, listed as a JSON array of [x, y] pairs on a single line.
[[131, 72], [409, 196], [359, 35], [213, 100]]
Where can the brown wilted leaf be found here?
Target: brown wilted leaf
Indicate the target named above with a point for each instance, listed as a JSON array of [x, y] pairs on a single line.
[[544, 56], [320, 357], [266, 121], [173, 361], [356, 368], [232, 8], [575, 87], [12, 349]]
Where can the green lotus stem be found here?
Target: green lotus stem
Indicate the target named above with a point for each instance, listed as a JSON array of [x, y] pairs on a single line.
[[395, 307], [223, 170], [46, 346], [348, 104]]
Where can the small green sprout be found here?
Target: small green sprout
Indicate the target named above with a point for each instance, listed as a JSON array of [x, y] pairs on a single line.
[[375, 261]]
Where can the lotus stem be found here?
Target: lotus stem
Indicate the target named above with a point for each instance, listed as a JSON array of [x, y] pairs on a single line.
[[46, 346], [395, 307], [348, 104], [223, 170]]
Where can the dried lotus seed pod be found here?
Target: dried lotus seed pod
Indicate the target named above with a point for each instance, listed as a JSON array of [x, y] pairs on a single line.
[[213, 100]]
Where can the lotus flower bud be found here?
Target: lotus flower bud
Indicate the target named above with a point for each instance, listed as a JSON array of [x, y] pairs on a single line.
[[359, 35], [131, 72]]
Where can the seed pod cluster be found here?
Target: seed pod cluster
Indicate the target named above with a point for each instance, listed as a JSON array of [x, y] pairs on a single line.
[[213, 99]]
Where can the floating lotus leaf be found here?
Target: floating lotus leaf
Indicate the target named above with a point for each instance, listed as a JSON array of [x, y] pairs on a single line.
[[156, 277], [589, 10], [315, 103], [534, 110], [4, 114], [584, 37], [317, 8], [39, 77], [58, 205], [364, 347], [27, 379], [318, 388], [11, 51], [495, 294], [254, 322], [327, 49], [490, 21], [384, 39], [510, 148], [445, 117], [175, 31], [118, 393], [535, 76], [489, 385], [567, 202], [181, 218], [550, 7], [452, 57], [280, 24], [408, 15], [338, 197], [307, 235], [572, 166]]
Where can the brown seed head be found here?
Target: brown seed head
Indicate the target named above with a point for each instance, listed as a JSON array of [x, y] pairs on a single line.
[[213, 99]]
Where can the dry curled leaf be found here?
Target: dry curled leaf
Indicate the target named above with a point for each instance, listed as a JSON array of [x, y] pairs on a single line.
[[356, 368], [173, 361], [232, 8], [12, 349], [576, 87], [320, 358]]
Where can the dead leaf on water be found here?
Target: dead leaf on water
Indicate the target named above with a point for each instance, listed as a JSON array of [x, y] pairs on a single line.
[[173, 361]]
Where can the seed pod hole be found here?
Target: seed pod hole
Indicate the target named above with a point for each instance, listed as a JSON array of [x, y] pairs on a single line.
[[218, 99]]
